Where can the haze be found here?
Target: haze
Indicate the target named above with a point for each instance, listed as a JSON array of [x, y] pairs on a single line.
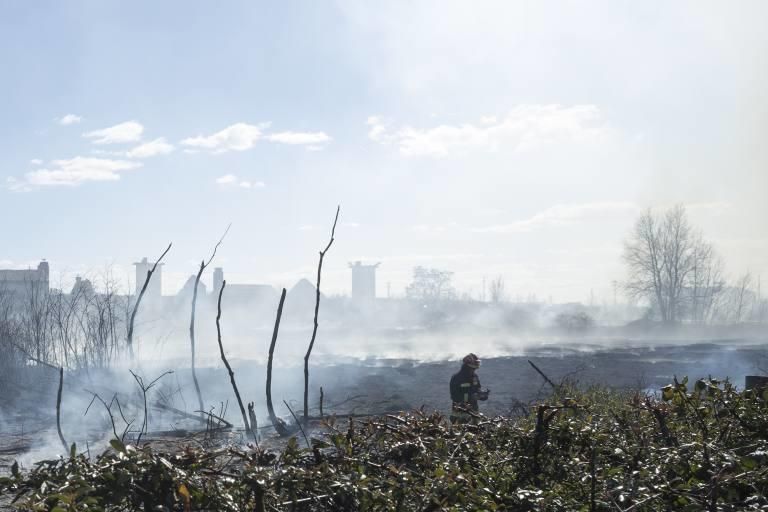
[[496, 139]]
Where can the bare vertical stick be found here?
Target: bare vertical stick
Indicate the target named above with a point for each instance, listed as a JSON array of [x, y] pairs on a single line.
[[58, 410], [138, 299], [229, 368], [317, 310], [321, 401], [280, 427], [252, 418], [203, 265]]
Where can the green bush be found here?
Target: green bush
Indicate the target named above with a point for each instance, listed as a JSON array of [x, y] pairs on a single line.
[[703, 448]]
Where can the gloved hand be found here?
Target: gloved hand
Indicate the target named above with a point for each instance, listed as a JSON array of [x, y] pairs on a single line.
[[483, 394]]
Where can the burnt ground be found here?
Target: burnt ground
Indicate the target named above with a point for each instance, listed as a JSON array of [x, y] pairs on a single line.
[[27, 433]]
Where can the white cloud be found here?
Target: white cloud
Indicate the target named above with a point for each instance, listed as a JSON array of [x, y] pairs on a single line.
[[36, 161], [150, 149], [226, 179], [243, 136], [129, 131], [377, 129], [524, 128], [73, 172], [230, 180], [69, 119], [237, 137], [300, 138], [562, 215]]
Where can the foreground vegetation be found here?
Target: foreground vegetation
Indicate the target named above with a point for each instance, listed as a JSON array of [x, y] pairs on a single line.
[[700, 446]]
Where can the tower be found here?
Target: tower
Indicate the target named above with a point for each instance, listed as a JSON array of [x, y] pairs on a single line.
[[218, 279], [155, 284], [363, 280]]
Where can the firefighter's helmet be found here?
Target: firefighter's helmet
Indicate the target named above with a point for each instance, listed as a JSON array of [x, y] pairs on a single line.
[[472, 361]]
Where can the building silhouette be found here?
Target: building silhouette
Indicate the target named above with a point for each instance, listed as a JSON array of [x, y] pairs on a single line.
[[155, 286], [23, 282], [363, 280]]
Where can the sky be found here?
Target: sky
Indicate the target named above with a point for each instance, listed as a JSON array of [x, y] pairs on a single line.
[[513, 139]]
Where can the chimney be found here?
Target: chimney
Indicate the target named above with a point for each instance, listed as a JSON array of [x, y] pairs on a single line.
[[218, 279]]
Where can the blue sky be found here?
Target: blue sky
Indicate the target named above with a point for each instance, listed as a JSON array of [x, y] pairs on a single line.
[[512, 139]]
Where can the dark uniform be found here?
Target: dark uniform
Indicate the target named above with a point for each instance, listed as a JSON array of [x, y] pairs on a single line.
[[465, 392]]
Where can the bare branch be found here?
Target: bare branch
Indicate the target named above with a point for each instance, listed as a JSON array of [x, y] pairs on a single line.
[[58, 410], [247, 426], [280, 427], [141, 295], [317, 310]]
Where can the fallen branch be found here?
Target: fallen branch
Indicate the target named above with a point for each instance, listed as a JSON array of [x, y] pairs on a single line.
[[33, 358], [138, 300], [229, 368], [189, 416], [548, 381], [317, 310], [298, 423], [279, 425]]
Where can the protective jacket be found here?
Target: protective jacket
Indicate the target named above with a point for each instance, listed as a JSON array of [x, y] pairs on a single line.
[[466, 390]]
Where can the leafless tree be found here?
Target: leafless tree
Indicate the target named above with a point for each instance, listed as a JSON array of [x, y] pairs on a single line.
[[246, 424], [317, 310], [280, 427], [707, 283], [742, 297], [144, 389], [671, 265], [497, 289], [430, 285], [129, 340], [35, 320], [203, 265]]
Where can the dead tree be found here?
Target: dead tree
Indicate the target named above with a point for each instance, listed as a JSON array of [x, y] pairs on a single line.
[[317, 309], [247, 426], [144, 388], [58, 410], [279, 425], [138, 299], [203, 265]]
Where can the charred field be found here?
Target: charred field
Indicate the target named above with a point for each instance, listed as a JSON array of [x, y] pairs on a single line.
[[373, 395]]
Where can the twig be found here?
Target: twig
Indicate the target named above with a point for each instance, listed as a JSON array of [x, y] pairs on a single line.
[[317, 310], [229, 368], [138, 299], [144, 388], [109, 411], [282, 430], [203, 266]]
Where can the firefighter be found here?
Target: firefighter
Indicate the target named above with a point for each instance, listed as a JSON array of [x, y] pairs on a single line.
[[466, 390]]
